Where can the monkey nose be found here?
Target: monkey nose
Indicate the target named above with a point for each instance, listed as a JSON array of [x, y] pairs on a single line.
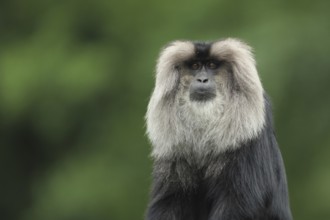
[[202, 79]]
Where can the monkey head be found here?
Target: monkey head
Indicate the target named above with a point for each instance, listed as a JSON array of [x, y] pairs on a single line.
[[205, 92]]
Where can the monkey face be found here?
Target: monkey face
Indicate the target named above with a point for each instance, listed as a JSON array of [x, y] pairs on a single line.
[[200, 77]]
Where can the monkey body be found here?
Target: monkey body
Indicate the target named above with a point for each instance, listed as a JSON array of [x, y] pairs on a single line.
[[214, 149]]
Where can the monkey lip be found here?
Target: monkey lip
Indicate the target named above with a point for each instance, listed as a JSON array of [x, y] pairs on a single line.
[[201, 95]]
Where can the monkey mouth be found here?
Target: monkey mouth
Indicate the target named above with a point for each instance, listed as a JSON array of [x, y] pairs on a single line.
[[201, 95]]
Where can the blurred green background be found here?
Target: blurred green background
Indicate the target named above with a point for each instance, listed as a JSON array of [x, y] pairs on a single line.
[[76, 76]]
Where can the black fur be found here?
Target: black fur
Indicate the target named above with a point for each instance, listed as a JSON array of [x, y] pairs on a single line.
[[245, 184], [202, 49], [202, 52]]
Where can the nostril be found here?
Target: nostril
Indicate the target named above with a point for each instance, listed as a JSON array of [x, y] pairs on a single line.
[[203, 80]]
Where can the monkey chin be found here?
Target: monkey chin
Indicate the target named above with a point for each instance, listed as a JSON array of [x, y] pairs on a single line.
[[206, 108]]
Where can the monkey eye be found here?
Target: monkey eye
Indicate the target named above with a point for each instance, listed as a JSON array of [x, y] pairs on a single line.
[[212, 65], [195, 66]]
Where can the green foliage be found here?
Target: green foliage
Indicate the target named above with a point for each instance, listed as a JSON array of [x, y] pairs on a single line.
[[75, 78]]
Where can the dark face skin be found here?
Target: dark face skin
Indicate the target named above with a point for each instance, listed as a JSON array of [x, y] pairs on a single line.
[[203, 85], [202, 71]]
